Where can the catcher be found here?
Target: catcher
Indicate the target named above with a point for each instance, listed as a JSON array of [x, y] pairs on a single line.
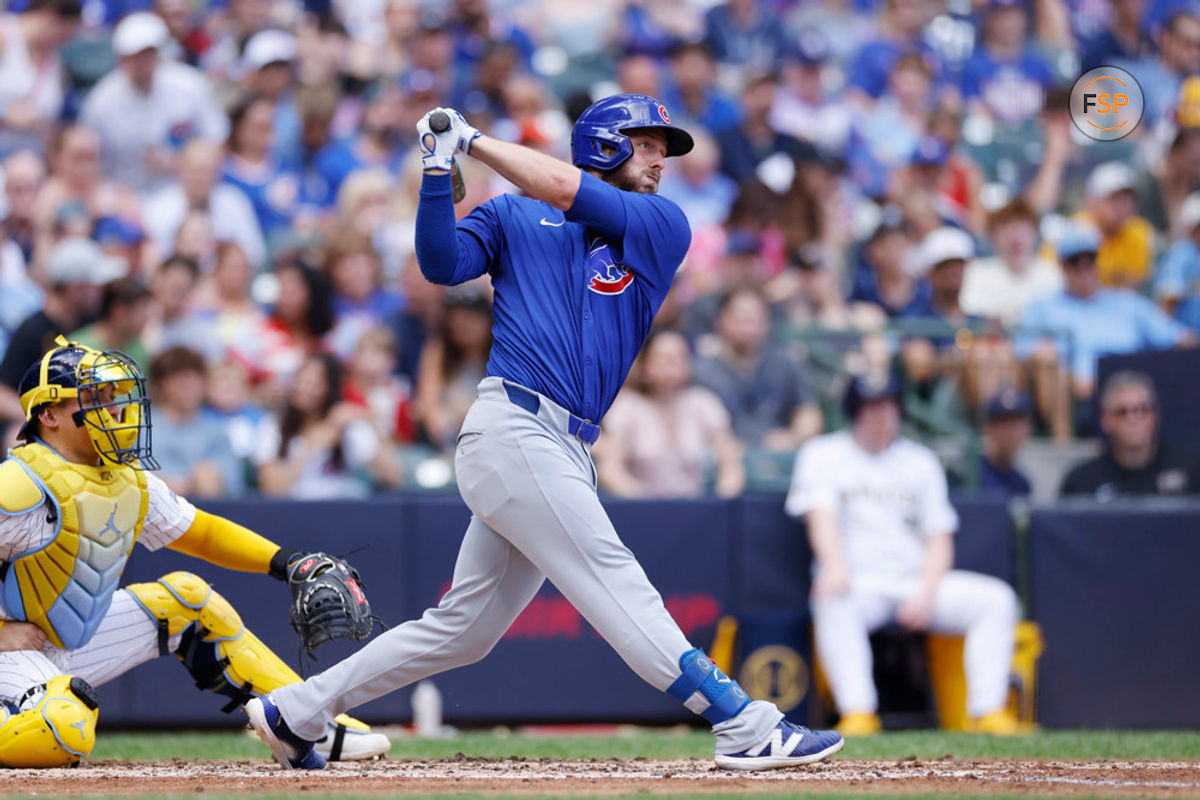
[[74, 498]]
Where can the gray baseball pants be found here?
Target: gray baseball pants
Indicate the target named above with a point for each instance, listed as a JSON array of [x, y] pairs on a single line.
[[531, 488]]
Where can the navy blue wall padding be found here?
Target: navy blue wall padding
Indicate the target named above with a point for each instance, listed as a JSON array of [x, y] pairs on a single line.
[[707, 557], [1115, 591]]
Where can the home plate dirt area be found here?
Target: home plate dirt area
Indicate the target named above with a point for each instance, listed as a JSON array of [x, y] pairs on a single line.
[[615, 776]]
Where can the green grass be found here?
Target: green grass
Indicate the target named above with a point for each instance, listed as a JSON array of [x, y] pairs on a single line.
[[675, 743]]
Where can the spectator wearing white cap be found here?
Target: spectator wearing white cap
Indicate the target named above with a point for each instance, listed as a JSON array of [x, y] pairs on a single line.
[[1126, 253], [31, 72], [1001, 286], [268, 71], [75, 270], [1071, 330], [1177, 281], [979, 364], [149, 107]]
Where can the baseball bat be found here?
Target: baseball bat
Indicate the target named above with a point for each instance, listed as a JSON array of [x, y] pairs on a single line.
[[439, 122]]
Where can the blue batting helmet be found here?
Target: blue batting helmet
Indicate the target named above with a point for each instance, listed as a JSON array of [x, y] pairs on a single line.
[[603, 124], [868, 388]]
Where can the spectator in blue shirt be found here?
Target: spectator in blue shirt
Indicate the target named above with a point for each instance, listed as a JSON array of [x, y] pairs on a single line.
[[1006, 79], [901, 24], [753, 149], [191, 444], [378, 142], [1088, 321], [883, 277], [1177, 281], [1124, 38], [692, 93], [250, 166], [1006, 429], [744, 33], [268, 72]]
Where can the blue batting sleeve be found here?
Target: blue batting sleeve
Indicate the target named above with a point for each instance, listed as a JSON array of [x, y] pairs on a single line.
[[444, 256], [651, 232]]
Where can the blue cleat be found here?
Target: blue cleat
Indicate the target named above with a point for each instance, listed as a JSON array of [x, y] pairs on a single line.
[[788, 746], [289, 750]]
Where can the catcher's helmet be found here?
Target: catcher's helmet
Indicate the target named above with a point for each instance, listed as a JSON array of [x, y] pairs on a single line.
[[867, 388], [603, 123], [112, 399]]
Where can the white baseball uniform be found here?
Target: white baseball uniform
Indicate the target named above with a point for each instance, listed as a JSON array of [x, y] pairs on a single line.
[[886, 505], [126, 637]]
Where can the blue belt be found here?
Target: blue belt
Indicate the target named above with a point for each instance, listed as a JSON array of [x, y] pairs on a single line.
[[580, 428]]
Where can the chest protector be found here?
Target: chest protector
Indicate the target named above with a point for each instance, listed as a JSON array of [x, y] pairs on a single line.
[[66, 585]]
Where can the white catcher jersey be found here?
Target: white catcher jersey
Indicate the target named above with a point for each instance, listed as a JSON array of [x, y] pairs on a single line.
[[886, 504], [167, 518]]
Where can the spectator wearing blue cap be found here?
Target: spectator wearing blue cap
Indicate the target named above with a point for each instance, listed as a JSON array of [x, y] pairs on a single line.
[[937, 187], [883, 278], [1005, 78], [1073, 329], [1177, 281], [1006, 428], [121, 238]]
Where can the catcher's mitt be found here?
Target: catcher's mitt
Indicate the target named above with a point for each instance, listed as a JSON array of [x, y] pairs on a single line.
[[327, 600]]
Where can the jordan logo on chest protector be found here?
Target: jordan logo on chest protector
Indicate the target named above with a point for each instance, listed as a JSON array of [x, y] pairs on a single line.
[[605, 277]]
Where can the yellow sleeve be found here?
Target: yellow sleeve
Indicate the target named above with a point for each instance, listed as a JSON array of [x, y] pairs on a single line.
[[226, 544]]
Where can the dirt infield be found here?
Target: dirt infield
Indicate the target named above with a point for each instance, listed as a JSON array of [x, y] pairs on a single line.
[[615, 776]]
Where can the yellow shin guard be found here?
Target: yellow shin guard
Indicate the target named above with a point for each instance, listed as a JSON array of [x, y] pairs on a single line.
[[216, 647], [58, 728]]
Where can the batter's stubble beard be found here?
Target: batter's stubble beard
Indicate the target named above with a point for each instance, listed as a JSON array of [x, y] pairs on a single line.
[[623, 178]]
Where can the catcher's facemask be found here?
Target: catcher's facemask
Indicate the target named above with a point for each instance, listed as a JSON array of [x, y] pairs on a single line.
[[111, 392]]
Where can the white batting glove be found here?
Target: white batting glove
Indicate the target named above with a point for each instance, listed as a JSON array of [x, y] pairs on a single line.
[[467, 133], [437, 149]]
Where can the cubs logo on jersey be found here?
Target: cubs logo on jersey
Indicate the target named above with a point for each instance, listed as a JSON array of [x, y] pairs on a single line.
[[606, 276]]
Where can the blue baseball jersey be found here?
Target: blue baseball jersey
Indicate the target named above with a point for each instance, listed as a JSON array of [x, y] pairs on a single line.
[[575, 292]]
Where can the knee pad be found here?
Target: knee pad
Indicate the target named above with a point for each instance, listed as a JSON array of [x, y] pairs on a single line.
[[215, 646], [706, 690], [56, 728]]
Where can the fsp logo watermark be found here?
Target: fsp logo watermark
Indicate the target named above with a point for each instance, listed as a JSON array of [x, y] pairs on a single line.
[[1107, 103]]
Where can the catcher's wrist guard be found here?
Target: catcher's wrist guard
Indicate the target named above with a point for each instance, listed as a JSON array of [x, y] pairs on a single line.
[[327, 601], [280, 561]]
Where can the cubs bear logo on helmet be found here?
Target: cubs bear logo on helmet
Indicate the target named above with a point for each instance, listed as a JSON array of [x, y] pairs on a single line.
[[111, 391], [603, 124]]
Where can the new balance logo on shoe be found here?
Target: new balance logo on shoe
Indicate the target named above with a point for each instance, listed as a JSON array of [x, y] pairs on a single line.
[[774, 746]]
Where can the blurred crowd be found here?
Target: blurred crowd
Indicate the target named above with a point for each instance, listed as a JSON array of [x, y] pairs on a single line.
[[226, 190]]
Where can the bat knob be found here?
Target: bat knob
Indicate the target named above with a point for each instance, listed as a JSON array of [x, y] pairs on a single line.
[[439, 122]]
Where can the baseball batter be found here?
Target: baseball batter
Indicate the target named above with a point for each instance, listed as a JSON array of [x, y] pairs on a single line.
[[74, 500], [580, 266], [881, 528]]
